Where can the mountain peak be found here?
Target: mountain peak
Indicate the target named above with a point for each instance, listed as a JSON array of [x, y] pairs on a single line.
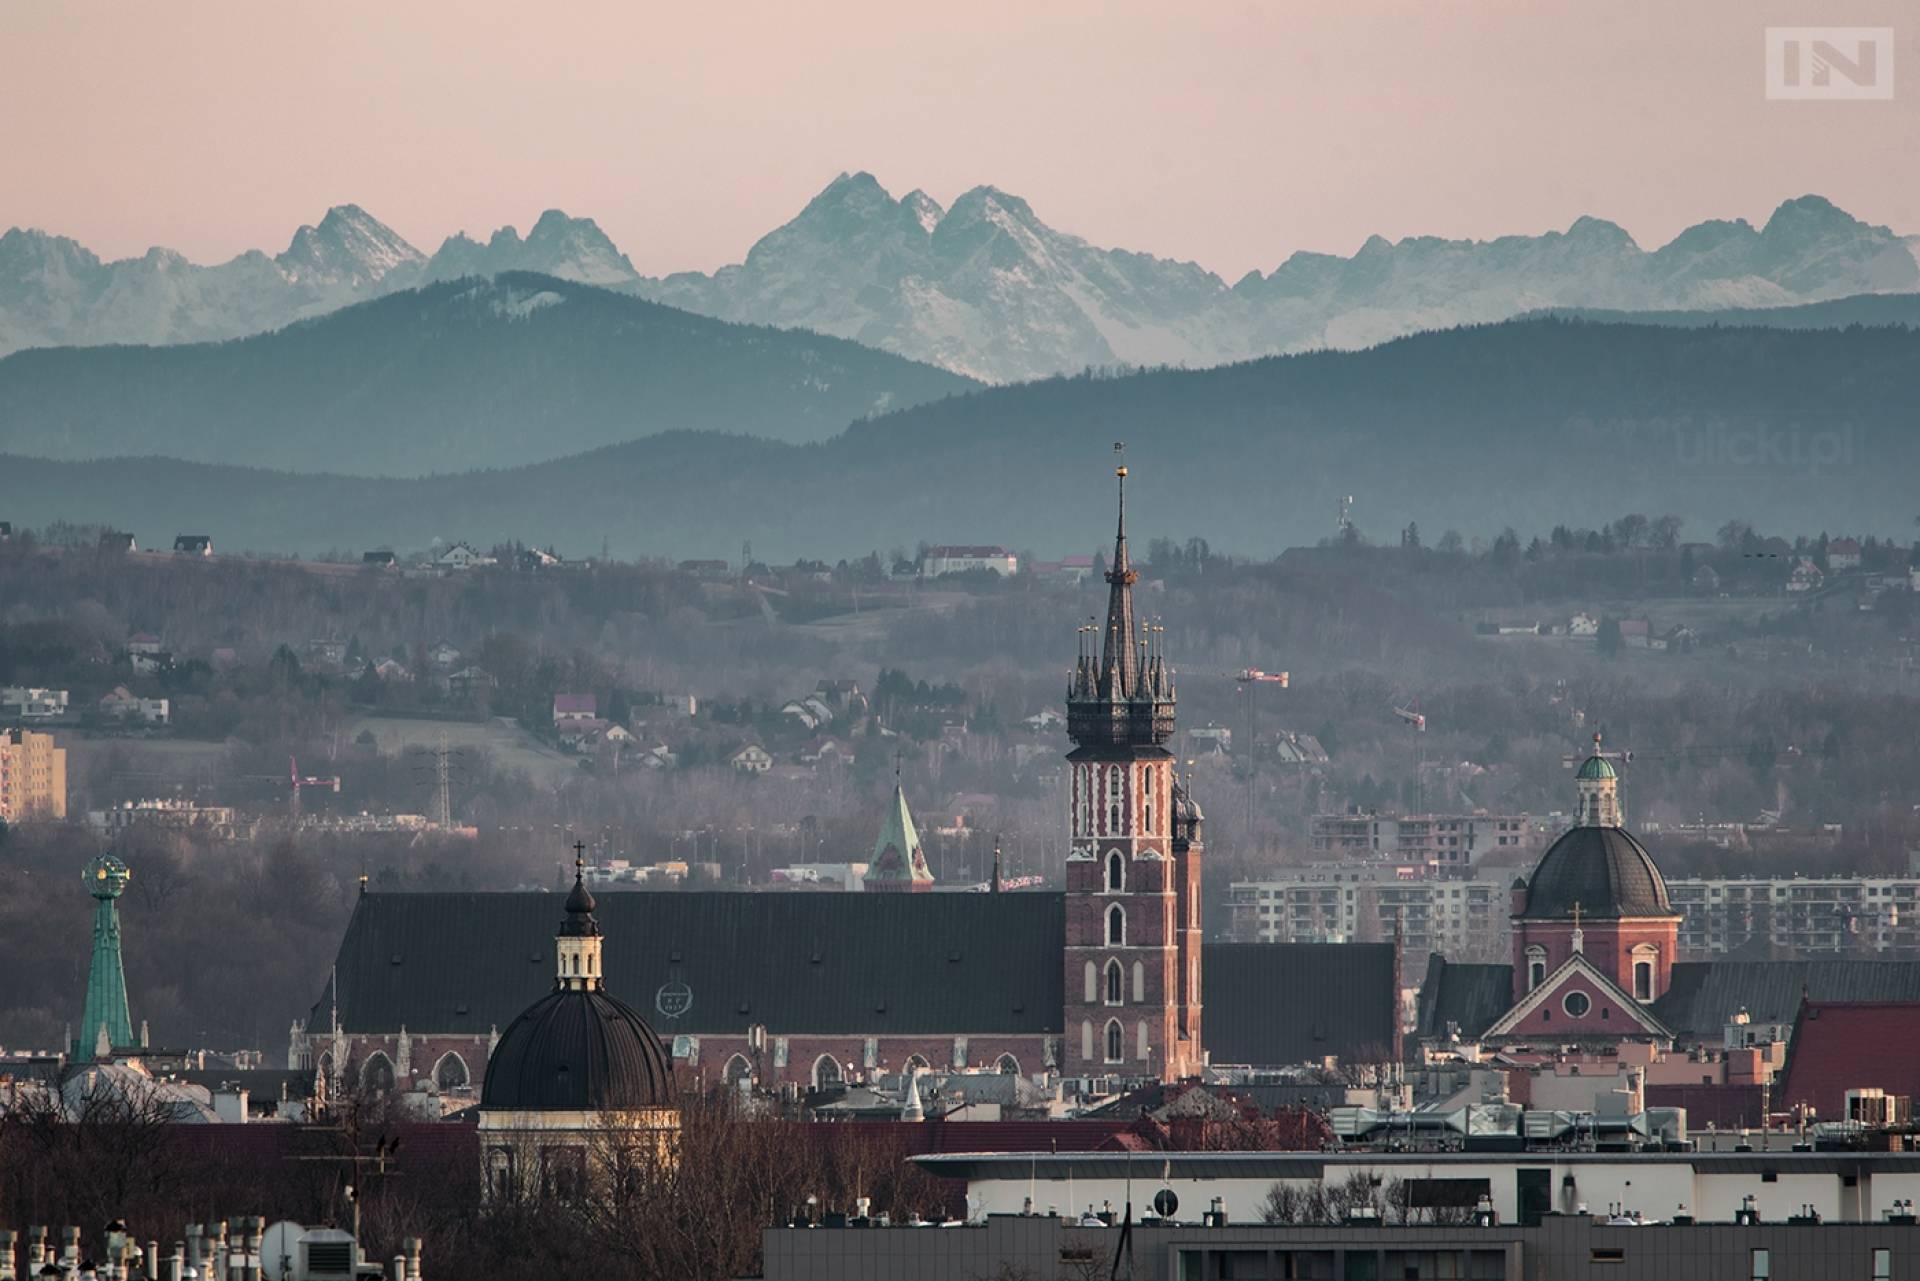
[[1810, 214], [350, 246]]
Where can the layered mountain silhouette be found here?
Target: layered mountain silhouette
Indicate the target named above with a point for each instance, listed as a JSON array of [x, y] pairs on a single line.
[[1568, 422], [495, 372], [985, 287]]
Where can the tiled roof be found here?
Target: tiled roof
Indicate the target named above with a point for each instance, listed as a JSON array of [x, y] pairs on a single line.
[[831, 964], [1703, 995], [1603, 870], [1848, 1045], [1469, 996], [1273, 1004]]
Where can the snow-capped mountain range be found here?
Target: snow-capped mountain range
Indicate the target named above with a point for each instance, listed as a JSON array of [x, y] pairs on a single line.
[[984, 287]]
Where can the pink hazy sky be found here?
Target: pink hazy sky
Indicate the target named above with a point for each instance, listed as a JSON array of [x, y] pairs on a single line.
[[1229, 133]]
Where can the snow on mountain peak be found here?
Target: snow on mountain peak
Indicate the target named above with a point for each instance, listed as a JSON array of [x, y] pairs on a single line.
[[350, 246]]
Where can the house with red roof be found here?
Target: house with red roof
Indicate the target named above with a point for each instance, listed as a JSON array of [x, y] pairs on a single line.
[[1843, 1046], [574, 707]]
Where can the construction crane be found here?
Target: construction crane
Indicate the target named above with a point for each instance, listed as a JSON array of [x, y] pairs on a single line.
[[328, 782], [1416, 720], [1249, 681]]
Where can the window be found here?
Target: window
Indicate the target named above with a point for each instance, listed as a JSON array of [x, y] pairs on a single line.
[[1116, 873], [1116, 984], [1007, 1065], [563, 1170], [1116, 926], [1760, 1266], [1086, 1039], [1139, 981], [377, 1076], [1093, 983], [1576, 1004], [1882, 1264], [1645, 959], [1145, 1041], [1146, 800], [738, 1069], [1536, 967], [826, 1072], [1115, 1048], [1113, 800], [451, 1072]]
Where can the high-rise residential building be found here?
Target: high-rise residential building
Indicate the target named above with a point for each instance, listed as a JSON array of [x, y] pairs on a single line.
[[1448, 841], [33, 776]]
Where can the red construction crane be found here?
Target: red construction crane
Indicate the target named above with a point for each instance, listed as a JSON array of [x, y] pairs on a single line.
[[330, 783]]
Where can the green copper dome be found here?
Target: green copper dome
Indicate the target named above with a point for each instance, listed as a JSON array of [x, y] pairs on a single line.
[[1597, 767]]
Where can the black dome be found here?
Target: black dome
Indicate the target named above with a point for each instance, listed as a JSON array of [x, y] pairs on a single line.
[[578, 1051], [1604, 870]]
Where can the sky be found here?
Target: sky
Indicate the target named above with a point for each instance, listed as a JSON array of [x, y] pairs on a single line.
[[1232, 134]]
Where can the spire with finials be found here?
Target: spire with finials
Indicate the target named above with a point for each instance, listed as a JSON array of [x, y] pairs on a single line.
[[1124, 694], [105, 1022]]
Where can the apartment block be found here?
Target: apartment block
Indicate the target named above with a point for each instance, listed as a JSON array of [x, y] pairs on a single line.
[[33, 776]]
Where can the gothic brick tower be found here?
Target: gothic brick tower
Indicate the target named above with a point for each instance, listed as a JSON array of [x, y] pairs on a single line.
[[1133, 875]]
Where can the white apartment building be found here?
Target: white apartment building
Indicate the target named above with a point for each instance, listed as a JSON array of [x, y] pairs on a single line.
[[1799, 917], [1464, 919], [960, 560], [1449, 840]]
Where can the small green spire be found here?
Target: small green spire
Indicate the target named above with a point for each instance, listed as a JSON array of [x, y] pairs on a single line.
[[898, 862], [106, 879]]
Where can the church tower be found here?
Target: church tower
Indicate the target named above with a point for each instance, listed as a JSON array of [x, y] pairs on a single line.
[[105, 1018], [1133, 874], [898, 865]]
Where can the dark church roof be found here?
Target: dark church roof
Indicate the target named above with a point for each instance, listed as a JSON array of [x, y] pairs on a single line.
[[1699, 1001], [1469, 997], [1271, 1004], [832, 964], [1704, 995], [578, 1051], [1604, 870]]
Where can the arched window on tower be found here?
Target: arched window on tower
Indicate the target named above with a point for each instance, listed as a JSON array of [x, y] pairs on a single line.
[[1007, 1065], [1116, 1042], [1113, 800], [1116, 926], [1085, 780], [1646, 965], [1116, 873], [1116, 985], [1139, 981], [1093, 983], [1536, 966], [1146, 800], [826, 1073]]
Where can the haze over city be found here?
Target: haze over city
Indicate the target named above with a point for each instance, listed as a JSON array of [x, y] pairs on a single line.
[[1229, 134], [1213, 641]]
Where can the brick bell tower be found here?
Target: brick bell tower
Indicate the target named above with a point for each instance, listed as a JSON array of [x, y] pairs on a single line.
[[1133, 874]]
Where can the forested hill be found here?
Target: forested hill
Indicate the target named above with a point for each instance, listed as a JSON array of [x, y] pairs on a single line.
[[1528, 424], [497, 373], [1835, 313]]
